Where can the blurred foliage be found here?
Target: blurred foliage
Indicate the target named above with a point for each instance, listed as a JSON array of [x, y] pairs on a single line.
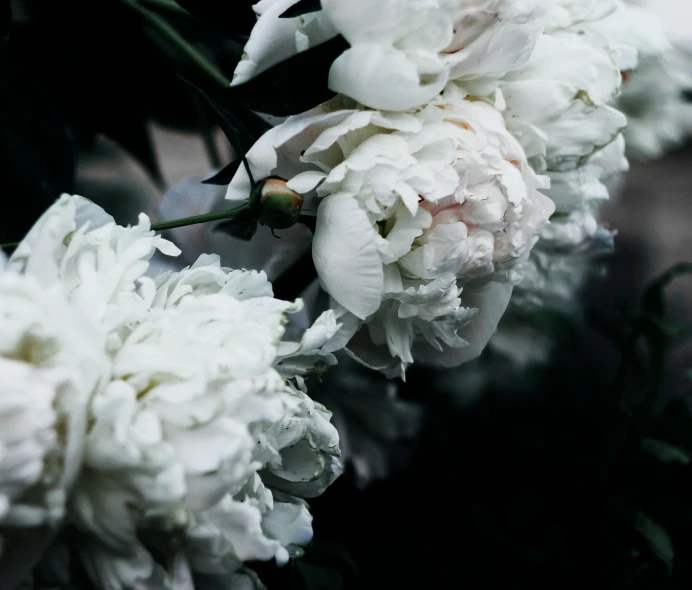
[[74, 69], [575, 474]]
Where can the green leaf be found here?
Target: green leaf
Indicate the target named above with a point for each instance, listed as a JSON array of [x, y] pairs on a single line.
[[657, 539], [302, 7], [231, 19], [225, 175], [665, 452], [232, 127], [315, 577], [653, 300], [293, 86], [243, 226]]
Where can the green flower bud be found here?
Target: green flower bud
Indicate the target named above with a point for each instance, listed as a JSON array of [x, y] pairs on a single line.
[[274, 204]]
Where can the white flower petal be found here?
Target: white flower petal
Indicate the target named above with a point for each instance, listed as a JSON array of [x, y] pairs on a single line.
[[345, 255]]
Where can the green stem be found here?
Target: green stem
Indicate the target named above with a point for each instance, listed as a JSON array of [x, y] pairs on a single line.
[[178, 42], [169, 6], [228, 214], [164, 225]]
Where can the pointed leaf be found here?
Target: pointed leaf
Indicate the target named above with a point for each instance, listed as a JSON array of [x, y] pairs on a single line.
[[225, 175], [315, 577], [293, 86], [242, 226], [657, 539], [229, 121], [302, 7], [653, 300], [231, 19], [232, 127], [665, 452]]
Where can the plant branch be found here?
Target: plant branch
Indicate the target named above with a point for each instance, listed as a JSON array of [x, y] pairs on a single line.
[[169, 6], [185, 49], [228, 214], [164, 225]]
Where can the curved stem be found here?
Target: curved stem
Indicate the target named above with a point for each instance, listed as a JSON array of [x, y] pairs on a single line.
[[164, 225], [178, 42], [228, 214]]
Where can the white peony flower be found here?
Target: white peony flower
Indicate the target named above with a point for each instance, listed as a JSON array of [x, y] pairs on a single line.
[[93, 258], [563, 258], [653, 94], [52, 360], [402, 52], [431, 205], [194, 410], [556, 105], [166, 416]]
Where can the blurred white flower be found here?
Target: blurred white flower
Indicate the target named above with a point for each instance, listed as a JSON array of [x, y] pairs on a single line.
[[556, 105], [655, 94]]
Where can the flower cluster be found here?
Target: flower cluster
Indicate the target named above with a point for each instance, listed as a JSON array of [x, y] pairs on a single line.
[[465, 136], [152, 412]]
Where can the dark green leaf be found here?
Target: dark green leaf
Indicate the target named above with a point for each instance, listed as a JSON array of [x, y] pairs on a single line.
[[231, 19], [233, 128], [243, 226], [231, 125], [332, 554], [665, 452], [225, 175], [302, 7], [315, 577], [657, 539], [292, 86], [653, 300], [675, 424], [255, 125]]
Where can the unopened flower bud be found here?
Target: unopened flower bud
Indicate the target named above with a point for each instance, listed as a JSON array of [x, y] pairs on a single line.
[[275, 204]]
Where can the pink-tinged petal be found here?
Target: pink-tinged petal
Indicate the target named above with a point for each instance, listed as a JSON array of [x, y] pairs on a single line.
[[346, 257]]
